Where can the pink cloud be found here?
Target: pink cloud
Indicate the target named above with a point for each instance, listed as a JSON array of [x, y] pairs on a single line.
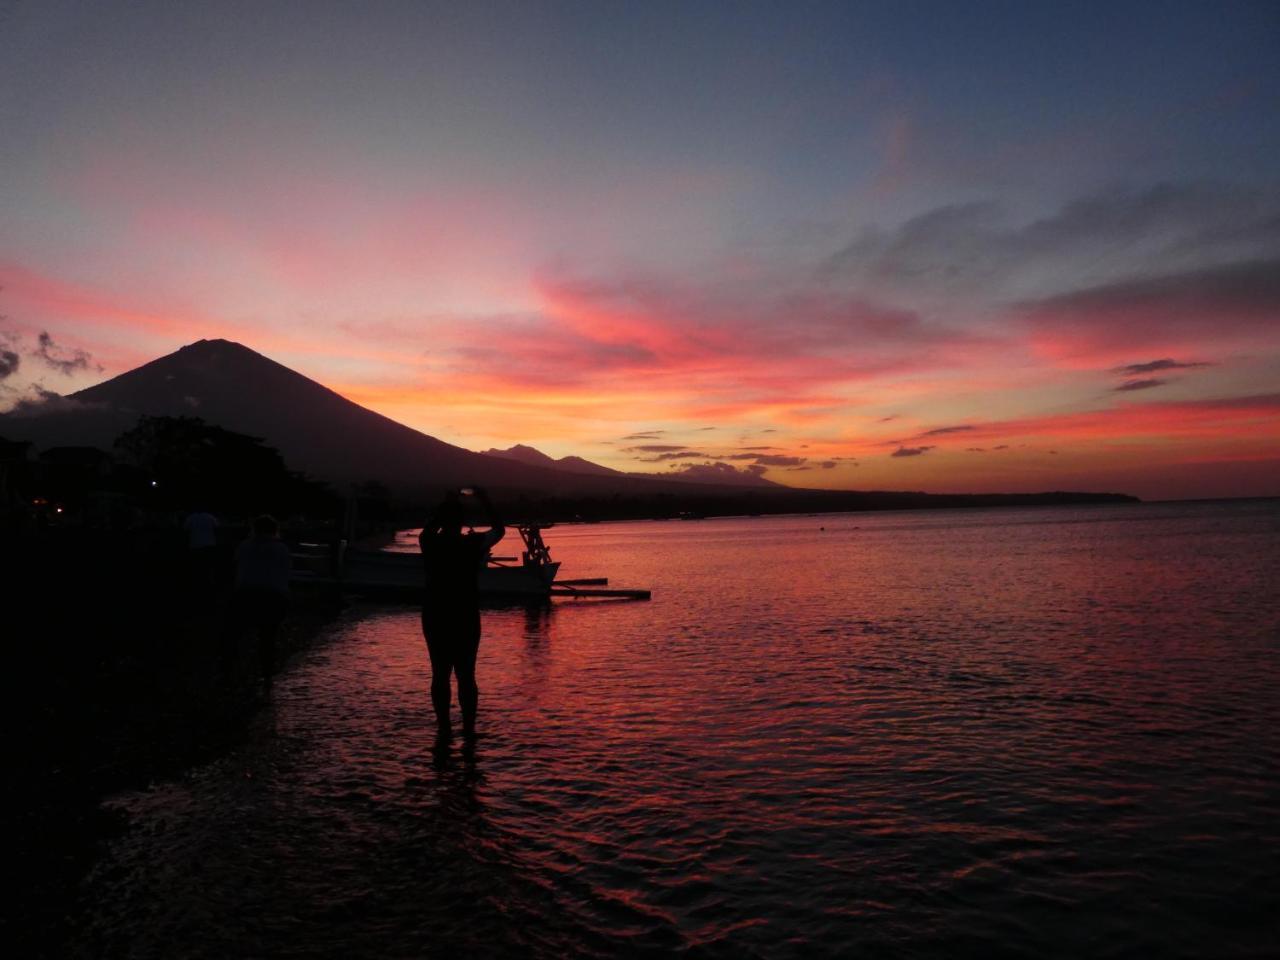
[[100, 318], [770, 344], [669, 349], [49, 296]]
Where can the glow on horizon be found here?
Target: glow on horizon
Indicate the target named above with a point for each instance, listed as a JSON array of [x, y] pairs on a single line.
[[846, 267]]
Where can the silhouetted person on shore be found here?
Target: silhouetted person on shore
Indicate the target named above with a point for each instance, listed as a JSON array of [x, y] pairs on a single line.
[[262, 589], [201, 529], [451, 605]]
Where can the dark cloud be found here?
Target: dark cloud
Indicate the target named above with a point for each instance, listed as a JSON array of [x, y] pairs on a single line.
[[721, 473], [928, 247], [975, 449], [766, 459], [1263, 401], [892, 416], [1154, 366], [1139, 385], [706, 428], [939, 431], [647, 435], [721, 469], [39, 401], [910, 451], [1003, 446], [827, 464], [677, 454], [1251, 287], [777, 460], [976, 249], [1210, 306], [796, 469], [654, 448], [63, 360], [9, 362]]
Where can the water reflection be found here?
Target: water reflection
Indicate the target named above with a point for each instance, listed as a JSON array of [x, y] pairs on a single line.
[[1053, 738], [537, 619]]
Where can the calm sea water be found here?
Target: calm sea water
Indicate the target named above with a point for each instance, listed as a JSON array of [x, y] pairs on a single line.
[[989, 733]]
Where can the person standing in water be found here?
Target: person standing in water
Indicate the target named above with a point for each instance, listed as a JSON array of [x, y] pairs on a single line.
[[451, 604]]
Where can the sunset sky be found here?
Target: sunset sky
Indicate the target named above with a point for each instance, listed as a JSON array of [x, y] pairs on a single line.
[[928, 246]]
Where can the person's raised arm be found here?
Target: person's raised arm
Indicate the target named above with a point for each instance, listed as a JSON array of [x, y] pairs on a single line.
[[497, 529]]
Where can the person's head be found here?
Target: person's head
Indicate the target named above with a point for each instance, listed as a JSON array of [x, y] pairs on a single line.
[[447, 518], [265, 526]]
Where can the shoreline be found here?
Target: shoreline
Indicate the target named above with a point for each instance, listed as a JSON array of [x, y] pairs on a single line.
[[117, 687]]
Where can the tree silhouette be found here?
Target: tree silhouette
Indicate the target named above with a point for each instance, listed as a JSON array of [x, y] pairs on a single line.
[[183, 462]]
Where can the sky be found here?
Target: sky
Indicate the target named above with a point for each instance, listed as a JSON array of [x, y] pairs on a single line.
[[924, 246]]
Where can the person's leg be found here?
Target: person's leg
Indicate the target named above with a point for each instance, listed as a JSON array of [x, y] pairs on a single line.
[[267, 631], [228, 651], [268, 614], [465, 666], [201, 563], [234, 620], [441, 668]]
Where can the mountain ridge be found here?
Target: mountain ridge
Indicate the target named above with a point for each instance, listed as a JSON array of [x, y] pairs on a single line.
[[714, 474], [523, 453]]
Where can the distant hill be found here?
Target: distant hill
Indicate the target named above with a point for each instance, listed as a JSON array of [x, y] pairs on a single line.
[[316, 430], [715, 474], [536, 458]]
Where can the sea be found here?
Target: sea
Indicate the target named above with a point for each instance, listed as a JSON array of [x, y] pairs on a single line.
[[1049, 732]]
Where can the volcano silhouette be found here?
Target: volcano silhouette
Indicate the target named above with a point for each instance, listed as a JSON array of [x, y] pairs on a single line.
[[315, 429]]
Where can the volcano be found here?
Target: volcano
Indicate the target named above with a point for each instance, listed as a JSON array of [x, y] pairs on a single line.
[[315, 429]]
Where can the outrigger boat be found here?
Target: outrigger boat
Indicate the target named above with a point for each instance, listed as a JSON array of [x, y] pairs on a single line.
[[400, 574], [530, 575]]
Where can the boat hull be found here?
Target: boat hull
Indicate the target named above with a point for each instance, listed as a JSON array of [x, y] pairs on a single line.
[[380, 571]]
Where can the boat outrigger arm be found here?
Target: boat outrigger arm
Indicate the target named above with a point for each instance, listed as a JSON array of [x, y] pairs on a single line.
[[537, 567], [536, 553]]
